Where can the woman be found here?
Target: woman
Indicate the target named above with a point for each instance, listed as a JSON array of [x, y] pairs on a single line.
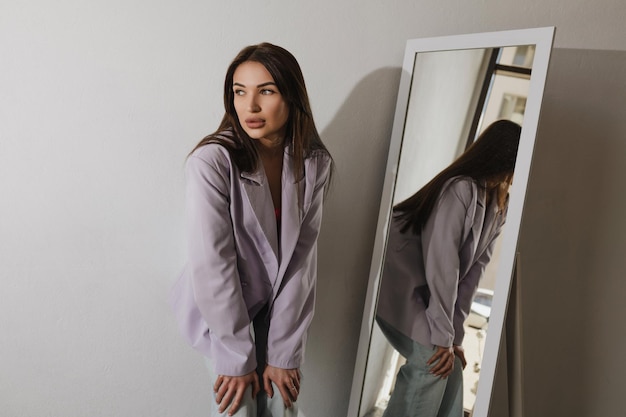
[[254, 208], [440, 241]]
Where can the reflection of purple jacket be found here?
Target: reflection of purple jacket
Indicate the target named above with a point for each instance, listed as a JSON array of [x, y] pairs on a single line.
[[449, 256], [237, 264]]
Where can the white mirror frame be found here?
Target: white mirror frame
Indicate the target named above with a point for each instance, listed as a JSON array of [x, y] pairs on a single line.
[[542, 38]]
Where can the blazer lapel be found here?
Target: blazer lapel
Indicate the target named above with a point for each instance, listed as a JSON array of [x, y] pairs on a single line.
[[479, 220], [258, 192], [488, 222], [257, 189], [490, 225], [290, 212]]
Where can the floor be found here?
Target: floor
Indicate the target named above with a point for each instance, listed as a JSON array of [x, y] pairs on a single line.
[[376, 412]]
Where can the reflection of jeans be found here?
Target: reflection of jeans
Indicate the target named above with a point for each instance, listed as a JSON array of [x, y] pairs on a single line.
[[263, 406], [417, 393]]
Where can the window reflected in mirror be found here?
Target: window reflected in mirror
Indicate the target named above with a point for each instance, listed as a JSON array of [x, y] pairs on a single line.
[[507, 86]]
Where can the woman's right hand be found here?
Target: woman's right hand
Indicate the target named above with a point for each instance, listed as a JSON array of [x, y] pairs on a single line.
[[460, 353], [442, 361], [229, 390]]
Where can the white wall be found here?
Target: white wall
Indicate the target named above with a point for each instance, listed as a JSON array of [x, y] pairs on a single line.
[[438, 117], [573, 241], [101, 100]]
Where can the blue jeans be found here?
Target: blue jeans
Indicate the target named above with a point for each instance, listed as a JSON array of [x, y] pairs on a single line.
[[417, 393], [262, 406]]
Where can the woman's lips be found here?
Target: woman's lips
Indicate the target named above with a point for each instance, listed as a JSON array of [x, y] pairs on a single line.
[[254, 123]]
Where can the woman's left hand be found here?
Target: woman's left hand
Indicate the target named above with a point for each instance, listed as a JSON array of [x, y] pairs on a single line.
[[287, 381], [442, 362]]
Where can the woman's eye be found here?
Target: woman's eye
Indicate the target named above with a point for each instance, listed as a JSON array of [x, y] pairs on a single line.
[[267, 92], [239, 92]]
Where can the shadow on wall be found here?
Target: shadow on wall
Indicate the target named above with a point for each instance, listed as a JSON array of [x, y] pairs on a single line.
[[358, 138], [573, 240]]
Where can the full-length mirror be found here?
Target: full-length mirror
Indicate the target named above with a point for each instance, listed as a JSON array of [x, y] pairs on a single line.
[[452, 90]]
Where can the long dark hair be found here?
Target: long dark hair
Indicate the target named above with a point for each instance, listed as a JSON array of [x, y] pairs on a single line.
[[490, 159], [302, 134]]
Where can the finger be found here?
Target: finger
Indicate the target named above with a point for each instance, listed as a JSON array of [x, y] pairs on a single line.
[[284, 392], [437, 366], [285, 386], [296, 381], [463, 361], [221, 392], [442, 373], [297, 378], [256, 386], [443, 366], [234, 405], [218, 382], [267, 385], [434, 358], [440, 355], [449, 366], [292, 388], [447, 369], [294, 391], [438, 371], [226, 399]]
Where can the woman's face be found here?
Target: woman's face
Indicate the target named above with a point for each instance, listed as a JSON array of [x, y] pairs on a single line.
[[260, 107]]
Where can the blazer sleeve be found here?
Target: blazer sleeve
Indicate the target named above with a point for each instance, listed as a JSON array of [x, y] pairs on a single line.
[[468, 286], [293, 307], [442, 237], [213, 261]]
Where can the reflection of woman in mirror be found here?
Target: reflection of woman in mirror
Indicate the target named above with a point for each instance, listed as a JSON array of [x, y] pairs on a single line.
[[440, 241], [254, 206]]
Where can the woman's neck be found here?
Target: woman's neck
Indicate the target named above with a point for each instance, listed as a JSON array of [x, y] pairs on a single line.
[[272, 162], [270, 147]]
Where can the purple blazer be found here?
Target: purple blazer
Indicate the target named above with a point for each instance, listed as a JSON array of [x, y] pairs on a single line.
[[237, 264], [449, 255]]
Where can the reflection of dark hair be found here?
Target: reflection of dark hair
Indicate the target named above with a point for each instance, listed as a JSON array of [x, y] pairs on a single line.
[[491, 158], [301, 131]]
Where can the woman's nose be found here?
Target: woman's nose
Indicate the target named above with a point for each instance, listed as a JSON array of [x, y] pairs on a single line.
[[253, 104]]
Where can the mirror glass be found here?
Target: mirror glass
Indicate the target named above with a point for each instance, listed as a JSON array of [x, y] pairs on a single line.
[[451, 89]]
